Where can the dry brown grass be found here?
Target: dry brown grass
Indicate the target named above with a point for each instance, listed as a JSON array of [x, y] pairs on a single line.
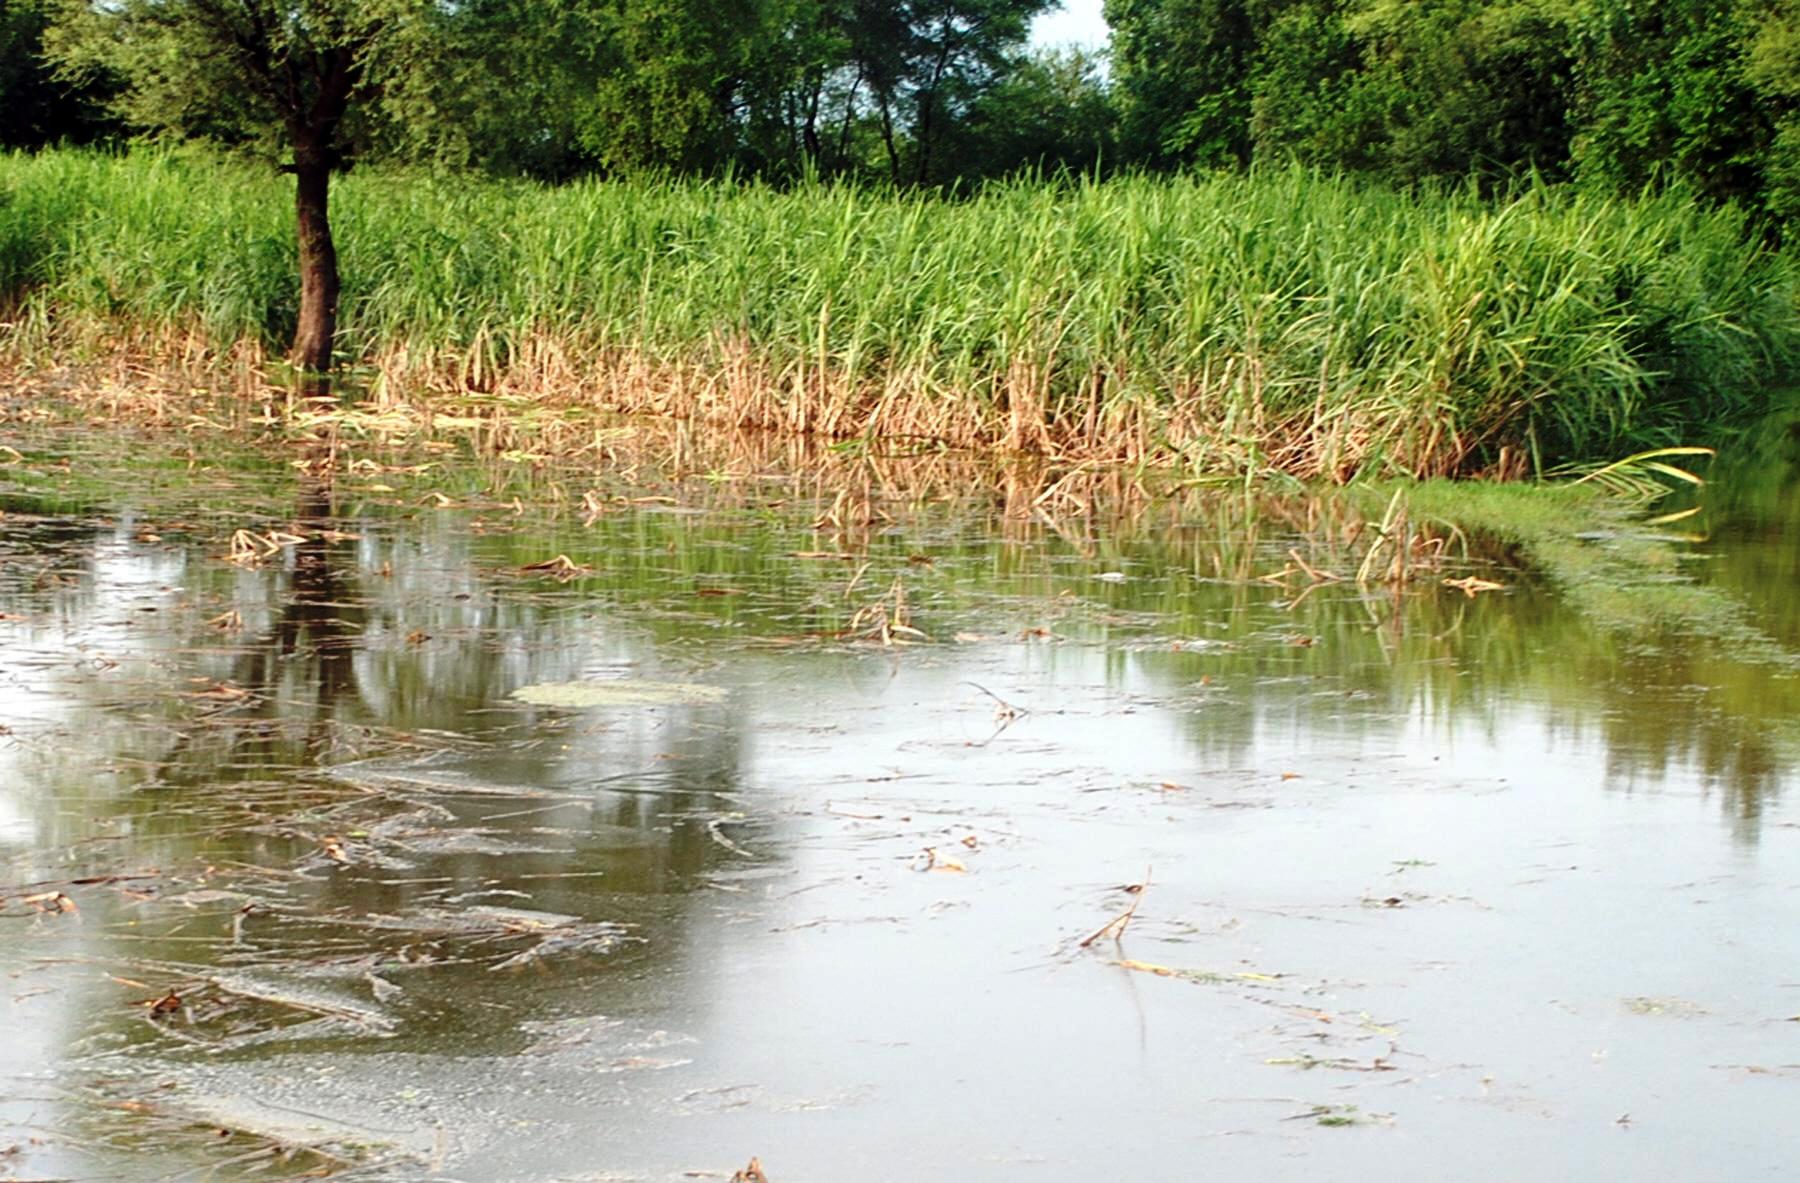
[[549, 393]]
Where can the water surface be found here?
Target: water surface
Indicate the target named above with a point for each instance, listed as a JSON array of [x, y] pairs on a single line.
[[1426, 884]]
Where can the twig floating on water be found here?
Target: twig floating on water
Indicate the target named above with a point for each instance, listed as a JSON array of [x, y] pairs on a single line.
[[1005, 712], [715, 828], [1115, 927]]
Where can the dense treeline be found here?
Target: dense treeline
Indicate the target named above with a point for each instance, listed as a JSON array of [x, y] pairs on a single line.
[[1619, 93], [909, 92]]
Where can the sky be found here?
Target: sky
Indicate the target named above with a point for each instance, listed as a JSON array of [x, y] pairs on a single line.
[[1077, 21]]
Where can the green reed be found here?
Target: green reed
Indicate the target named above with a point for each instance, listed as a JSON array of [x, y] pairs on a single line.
[[1283, 319]]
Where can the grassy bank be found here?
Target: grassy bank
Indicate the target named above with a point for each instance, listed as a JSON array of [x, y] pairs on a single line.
[[1280, 321]]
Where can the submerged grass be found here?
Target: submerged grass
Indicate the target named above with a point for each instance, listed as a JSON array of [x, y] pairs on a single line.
[[1279, 321], [1623, 573]]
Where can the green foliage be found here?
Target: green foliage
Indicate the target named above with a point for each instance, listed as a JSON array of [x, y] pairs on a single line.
[[1454, 88], [1701, 94], [1704, 94], [1184, 68], [259, 76], [1662, 91], [1051, 114], [787, 88], [666, 78], [40, 110]]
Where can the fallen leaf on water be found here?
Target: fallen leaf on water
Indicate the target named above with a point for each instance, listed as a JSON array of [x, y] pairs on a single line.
[[222, 692], [619, 694], [1193, 975], [249, 549], [1471, 586], [560, 567], [50, 901], [936, 862], [751, 1174]]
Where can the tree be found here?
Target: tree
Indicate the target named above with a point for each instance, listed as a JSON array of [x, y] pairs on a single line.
[[665, 81], [307, 81], [40, 109], [1051, 113], [1664, 91], [1416, 89], [962, 48], [1182, 71], [1773, 69]]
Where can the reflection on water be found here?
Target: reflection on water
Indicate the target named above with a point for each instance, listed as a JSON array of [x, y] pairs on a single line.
[[293, 884]]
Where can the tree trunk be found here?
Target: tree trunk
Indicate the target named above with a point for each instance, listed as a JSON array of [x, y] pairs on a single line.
[[887, 138], [928, 99], [809, 131], [843, 149], [317, 330]]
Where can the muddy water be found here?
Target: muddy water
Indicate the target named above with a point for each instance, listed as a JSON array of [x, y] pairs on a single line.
[[1420, 883]]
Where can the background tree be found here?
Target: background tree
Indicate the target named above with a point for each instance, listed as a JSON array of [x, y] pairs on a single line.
[[1772, 67], [1050, 113], [961, 49], [40, 109], [1664, 92], [308, 83], [1182, 69], [1420, 89], [667, 81], [1616, 94]]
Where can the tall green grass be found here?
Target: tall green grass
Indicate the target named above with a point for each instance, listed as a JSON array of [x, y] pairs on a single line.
[[1282, 319]]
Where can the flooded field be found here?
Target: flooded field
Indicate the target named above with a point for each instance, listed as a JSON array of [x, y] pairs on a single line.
[[408, 818]]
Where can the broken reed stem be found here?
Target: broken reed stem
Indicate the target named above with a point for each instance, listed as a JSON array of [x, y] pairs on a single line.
[[1005, 711], [1115, 927]]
